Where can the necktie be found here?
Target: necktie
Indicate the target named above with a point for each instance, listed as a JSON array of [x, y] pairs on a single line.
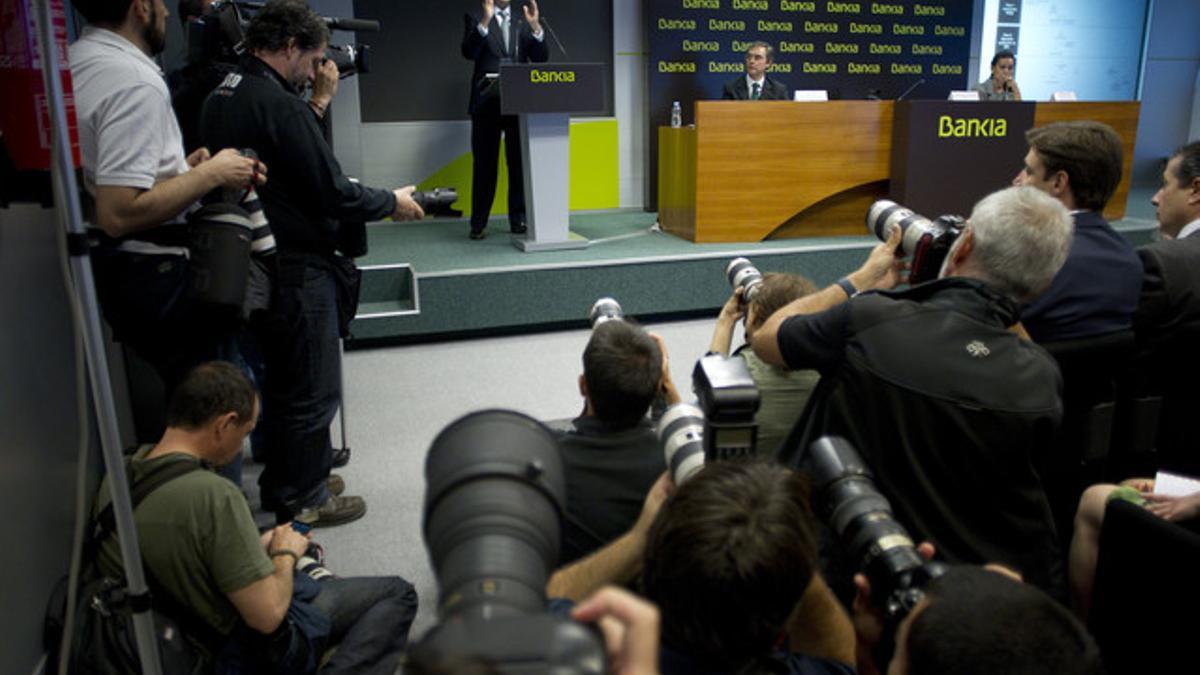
[[504, 30], [756, 93]]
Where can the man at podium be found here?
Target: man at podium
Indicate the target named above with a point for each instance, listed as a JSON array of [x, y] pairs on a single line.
[[498, 36], [755, 85]]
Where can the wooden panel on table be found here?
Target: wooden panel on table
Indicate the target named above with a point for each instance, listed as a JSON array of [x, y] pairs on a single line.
[[763, 164], [1120, 115], [841, 214], [677, 181]]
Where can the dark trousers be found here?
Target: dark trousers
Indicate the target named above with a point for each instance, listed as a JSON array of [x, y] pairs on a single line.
[[486, 127], [367, 619], [302, 388], [143, 299]]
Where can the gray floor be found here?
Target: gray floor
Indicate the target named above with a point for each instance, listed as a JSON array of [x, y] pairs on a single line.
[[397, 399]]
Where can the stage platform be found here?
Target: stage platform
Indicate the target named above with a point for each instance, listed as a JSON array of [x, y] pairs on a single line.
[[426, 281]]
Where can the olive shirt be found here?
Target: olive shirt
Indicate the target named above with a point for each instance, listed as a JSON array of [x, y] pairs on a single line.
[[198, 540], [783, 395]]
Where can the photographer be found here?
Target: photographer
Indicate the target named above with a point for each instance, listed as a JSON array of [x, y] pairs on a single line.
[[141, 186], [610, 453], [784, 393], [948, 406], [730, 562], [243, 595], [260, 107], [980, 620]]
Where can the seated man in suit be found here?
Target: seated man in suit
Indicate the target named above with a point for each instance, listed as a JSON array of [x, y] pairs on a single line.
[[755, 85], [1096, 291], [611, 452], [1167, 321]]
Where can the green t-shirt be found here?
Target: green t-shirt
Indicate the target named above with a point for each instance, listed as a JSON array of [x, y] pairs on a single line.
[[783, 394], [197, 538]]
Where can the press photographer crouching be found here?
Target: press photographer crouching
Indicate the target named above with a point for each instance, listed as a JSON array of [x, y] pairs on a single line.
[[609, 452], [315, 295], [729, 558], [949, 407], [784, 392]]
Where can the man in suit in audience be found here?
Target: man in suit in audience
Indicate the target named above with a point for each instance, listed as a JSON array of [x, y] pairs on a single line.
[[755, 85], [946, 404], [498, 36], [730, 560], [610, 452], [1167, 321], [1096, 291]]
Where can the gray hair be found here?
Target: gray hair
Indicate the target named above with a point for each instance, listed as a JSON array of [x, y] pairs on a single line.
[[1021, 239]]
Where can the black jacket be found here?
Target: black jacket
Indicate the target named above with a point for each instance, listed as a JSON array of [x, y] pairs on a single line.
[[488, 53], [952, 412], [306, 194], [738, 90]]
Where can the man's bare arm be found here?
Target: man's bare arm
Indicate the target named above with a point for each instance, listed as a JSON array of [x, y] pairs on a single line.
[[264, 603], [616, 563], [121, 211], [881, 271]]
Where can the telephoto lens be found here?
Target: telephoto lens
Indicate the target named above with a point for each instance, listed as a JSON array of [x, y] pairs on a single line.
[[681, 437], [925, 241], [743, 274], [605, 309], [438, 202], [846, 497], [494, 500]]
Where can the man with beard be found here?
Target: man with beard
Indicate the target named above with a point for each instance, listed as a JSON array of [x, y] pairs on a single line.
[[260, 107], [140, 186]]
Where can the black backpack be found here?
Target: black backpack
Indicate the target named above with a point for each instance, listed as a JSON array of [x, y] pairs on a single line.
[[103, 641]]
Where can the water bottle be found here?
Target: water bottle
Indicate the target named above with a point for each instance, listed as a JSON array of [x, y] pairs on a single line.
[[676, 115]]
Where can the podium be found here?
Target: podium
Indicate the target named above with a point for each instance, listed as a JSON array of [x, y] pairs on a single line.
[[544, 95]]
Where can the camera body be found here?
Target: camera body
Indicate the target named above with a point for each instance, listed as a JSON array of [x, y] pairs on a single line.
[[925, 242], [220, 34], [494, 499], [721, 428], [845, 496]]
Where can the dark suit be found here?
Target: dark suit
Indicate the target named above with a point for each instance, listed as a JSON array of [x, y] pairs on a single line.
[[487, 124], [1095, 292], [738, 90], [1167, 325]]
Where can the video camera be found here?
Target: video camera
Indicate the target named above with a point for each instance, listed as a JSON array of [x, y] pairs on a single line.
[[925, 241], [845, 496], [219, 36], [494, 502], [721, 428]]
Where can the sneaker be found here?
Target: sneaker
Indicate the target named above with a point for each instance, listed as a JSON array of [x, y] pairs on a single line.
[[335, 484], [341, 457], [337, 510], [312, 563]]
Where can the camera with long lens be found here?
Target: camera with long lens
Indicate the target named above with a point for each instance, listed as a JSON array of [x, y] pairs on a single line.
[[350, 59], [845, 496], [438, 202], [721, 427], [603, 310], [744, 275], [925, 242], [220, 34], [494, 501]]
